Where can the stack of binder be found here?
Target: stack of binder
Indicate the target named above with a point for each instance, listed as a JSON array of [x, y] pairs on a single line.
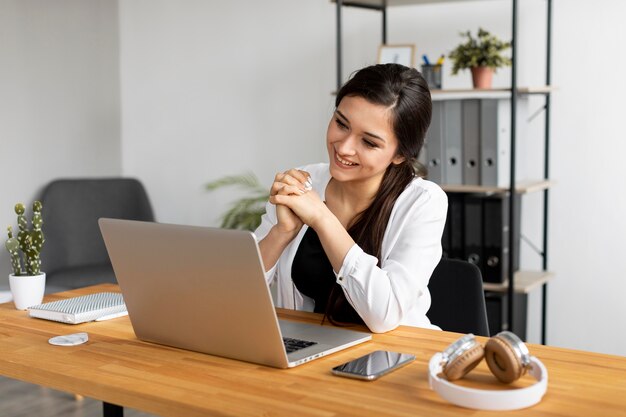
[[477, 230], [468, 142]]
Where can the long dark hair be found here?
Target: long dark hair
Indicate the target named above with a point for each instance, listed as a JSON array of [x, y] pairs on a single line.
[[406, 93]]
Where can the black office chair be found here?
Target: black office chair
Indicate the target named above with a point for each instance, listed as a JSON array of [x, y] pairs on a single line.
[[74, 254], [458, 300]]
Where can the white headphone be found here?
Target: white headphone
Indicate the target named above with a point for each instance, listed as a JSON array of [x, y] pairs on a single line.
[[508, 359]]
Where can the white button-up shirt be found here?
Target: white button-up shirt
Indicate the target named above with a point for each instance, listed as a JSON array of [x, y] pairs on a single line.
[[396, 293]]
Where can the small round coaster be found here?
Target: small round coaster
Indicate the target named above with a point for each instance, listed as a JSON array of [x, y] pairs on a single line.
[[69, 339]]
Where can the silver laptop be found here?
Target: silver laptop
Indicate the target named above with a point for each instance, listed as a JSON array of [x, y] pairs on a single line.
[[204, 289]]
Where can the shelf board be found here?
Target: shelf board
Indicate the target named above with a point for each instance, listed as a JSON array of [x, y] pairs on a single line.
[[523, 187], [525, 282], [469, 93], [476, 93], [391, 3], [543, 89]]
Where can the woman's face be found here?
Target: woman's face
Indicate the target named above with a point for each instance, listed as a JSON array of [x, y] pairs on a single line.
[[361, 142]]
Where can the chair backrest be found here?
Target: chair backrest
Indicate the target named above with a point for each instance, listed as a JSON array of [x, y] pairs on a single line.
[[71, 209], [458, 299]]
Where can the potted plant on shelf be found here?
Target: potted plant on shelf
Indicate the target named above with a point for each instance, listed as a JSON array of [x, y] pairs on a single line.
[[27, 282], [482, 55]]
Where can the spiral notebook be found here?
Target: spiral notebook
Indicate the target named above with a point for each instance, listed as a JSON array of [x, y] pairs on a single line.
[[80, 309]]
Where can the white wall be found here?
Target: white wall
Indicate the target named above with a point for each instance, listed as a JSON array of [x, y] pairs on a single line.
[[214, 88], [59, 97], [221, 88], [589, 202]]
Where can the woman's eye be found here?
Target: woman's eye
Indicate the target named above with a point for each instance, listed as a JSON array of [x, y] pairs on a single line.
[[341, 124], [370, 144]]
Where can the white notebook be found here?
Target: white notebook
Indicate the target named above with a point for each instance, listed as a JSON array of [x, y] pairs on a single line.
[[80, 309]]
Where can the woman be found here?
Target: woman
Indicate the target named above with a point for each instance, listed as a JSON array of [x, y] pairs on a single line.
[[357, 239]]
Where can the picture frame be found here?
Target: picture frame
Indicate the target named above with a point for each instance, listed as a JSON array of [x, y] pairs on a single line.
[[397, 54]]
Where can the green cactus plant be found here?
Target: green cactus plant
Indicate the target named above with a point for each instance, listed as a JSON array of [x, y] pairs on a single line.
[[30, 243], [12, 246]]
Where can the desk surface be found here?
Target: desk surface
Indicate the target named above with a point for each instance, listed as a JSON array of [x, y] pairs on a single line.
[[115, 367]]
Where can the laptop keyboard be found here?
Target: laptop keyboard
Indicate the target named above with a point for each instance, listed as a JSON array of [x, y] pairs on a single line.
[[291, 345]]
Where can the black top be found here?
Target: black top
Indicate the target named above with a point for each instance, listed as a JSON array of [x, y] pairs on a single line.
[[313, 276]]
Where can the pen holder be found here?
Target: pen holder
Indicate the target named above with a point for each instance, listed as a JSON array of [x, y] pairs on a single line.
[[432, 75]]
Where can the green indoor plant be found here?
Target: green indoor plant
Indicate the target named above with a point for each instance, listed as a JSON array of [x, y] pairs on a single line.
[[27, 282], [482, 55], [245, 213]]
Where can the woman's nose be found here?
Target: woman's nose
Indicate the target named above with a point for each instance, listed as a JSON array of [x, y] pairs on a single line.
[[346, 146]]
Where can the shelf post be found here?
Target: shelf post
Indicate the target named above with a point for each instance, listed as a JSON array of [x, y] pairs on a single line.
[[384, 17], [512, 243], [546, 170], [338, 6]]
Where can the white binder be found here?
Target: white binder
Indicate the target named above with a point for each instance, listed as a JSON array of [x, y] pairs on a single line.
[[453, 142], [80, 309], [471, 142], [435, 145], [492, 141], [495, 140]]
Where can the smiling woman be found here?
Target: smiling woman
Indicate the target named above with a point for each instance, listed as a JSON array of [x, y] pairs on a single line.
[[358, 238], [361, 142]]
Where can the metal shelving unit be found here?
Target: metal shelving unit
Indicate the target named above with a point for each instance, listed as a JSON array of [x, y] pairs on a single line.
[[517, 281]]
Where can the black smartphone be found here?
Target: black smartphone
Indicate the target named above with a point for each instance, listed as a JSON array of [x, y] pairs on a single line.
[[373, 365]]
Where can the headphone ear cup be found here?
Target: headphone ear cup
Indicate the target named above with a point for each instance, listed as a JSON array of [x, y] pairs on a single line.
[[502, 360], [460, 366]]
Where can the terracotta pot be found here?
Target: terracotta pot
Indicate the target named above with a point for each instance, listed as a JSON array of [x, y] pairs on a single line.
[[482, 77]]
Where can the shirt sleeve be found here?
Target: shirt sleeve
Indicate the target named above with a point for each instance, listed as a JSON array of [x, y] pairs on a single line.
[[384, 295], [268, 220]]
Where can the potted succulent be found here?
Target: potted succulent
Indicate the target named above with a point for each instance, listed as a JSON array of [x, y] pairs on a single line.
[[482, 55], [27, 282]]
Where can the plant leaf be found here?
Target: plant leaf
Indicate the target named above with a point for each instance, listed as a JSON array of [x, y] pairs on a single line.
[[247, 180], [245, 213]]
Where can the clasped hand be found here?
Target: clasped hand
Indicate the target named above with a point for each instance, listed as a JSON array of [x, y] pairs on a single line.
[[295, 200]]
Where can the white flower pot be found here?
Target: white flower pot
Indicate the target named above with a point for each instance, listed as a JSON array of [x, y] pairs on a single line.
[[27, 290]]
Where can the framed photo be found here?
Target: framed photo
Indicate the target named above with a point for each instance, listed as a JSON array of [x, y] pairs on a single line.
[[397, 54]]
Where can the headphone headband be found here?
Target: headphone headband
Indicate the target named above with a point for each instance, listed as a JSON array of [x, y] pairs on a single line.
[[480, 399], [500, 400]]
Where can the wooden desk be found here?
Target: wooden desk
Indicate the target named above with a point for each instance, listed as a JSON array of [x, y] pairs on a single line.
[[117, 368]]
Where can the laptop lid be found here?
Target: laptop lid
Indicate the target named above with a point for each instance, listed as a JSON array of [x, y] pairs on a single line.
[[204, 289]]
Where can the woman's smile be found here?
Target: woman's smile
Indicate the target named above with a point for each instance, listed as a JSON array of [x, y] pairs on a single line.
[[344, 163]]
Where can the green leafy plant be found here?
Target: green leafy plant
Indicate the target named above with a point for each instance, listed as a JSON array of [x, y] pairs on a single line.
[[25, 249], [245, 213], [483, 51]]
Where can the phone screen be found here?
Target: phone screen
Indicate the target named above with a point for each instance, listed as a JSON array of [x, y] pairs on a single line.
[[373, 365]]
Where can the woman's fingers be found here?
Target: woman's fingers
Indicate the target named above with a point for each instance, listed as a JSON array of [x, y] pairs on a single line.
[[285, 189], [289, 190], [302, 176], [284, 199], [295, 176], [278, 199], [301, 180]]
